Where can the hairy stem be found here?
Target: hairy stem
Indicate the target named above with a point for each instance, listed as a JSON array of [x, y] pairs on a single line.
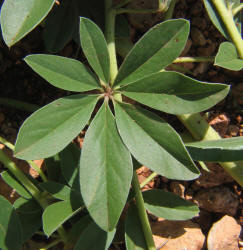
[[228, 20], [201, 130], [110, 15], [142, 213], [170, 11]]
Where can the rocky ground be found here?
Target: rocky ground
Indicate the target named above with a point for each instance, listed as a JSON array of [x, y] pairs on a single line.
[[220, 198]]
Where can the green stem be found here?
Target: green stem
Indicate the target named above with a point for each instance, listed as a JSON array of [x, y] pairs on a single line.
[[31, 163], [110, 16], [24, 106], [147, 180], [237, 9], [194, 59], [201, 130], [52, 244], [228, 20], [170, 11], [142, 213]]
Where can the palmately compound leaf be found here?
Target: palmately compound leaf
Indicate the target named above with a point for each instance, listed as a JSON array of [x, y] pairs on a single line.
[[154, 143], [134, 236], [48, 130], [175, 93], [95, 48], [93, 236], [18, 18], [10, 227], [227, 57], [105, 177], [63, 72], [159, 47], [223, 150], [168, 205]]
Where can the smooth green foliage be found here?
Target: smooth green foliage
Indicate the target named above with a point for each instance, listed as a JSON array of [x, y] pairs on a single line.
[[216, 19], [70, 158], [168, 205], [51, 128], [18, 18], [175, 93], [134, 237], [227, 57], [224, 150], [95, 48], [9, 227], [152, 142], [106, 177], [57, 190], [60, 25], [63, 72], [29, 213], [93, 237], [56, 214], [13, 183], [159, 47]]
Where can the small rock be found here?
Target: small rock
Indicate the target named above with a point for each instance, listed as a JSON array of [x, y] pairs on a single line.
[[206, 51], [224, 234], [201, 68], [198, 37], [177, 235], [220, 123], [177, 188], [233, 130], [218, 200], [215, 177], [199, 22]]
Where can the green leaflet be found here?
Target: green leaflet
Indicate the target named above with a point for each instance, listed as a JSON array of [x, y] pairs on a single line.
[[63, 72], [134, 236], [168, 205], [227, 57], [154, 143], [175, 93], [18, 18], [105, 179], [95, 48], [13, 183], [9, 226], [159, 47], [29, 213], [223, 150], [60, 25], [58, 213], [48, 130], [93, 237]]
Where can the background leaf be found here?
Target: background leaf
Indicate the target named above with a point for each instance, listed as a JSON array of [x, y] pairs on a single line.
[[13, 183], [168, 205], [63, 72], [224, 150], [29, 213], [134, 236], [18, 18], [9, 226], [60, 25], [227, 57], [159, 47], [93, 236], [175, 93], [48, 130], [154, 143], [95, 48], [58, 213], [106, 177]]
